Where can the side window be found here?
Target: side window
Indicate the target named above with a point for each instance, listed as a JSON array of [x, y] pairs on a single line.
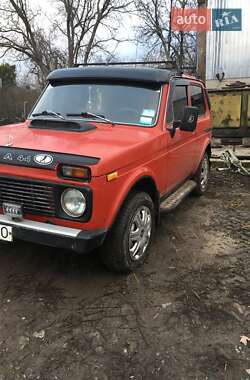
[[180, 100], [197, 99]]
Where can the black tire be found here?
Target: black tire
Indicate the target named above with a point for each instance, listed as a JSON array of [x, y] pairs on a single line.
[[115, 253], [202, 184]]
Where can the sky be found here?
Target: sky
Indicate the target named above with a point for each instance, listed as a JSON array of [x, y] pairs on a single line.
[[125, 50], [126, 31]]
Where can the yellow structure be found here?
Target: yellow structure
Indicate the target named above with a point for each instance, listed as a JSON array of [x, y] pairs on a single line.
[[226, 109], [231, 112]]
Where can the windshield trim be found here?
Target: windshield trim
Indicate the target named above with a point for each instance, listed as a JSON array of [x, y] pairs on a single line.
[[30, 117]]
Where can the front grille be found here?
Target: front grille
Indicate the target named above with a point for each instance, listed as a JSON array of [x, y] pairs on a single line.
[[35, 197]]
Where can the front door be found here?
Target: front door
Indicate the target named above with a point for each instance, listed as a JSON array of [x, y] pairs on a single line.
[[181, 155]]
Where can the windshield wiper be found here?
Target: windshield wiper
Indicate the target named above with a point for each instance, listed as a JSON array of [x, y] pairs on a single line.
[[89, 115], [49, 113]]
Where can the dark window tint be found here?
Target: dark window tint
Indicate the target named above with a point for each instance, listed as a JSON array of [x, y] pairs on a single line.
[[197, 99], [180, 101]]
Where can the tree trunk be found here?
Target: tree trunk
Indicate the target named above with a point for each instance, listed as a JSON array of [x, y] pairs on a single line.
[[170, 29]]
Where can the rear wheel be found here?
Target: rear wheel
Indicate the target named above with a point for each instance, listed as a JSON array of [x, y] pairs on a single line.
[[202, 176], [127, 246]]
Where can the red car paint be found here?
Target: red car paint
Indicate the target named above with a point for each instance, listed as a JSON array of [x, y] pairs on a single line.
[[133, 151]]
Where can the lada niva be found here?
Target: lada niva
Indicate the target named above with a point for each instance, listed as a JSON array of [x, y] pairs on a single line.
[[103, 152]]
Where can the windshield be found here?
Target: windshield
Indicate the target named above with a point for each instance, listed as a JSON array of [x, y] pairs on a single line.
[[121, 103]]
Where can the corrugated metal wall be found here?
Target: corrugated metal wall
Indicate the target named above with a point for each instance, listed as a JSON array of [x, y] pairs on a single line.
[[230, 51]]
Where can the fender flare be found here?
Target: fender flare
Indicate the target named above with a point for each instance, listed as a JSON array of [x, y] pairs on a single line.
[[134, 178], [206, 147]]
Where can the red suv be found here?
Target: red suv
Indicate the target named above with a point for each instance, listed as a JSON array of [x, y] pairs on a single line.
[[102, 153]]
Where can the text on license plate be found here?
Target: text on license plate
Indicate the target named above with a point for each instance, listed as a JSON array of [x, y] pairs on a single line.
[[6, 233]]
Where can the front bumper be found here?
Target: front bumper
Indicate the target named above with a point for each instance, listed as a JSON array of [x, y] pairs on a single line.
[[54, 235]]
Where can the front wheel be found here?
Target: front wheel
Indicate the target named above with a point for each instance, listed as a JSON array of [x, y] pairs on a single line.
[[127, 246], [202, 176]]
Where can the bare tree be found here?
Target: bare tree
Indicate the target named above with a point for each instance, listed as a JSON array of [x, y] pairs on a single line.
[[20, 34], [82, 27], [153, 28], [80, 22], [155, 32]]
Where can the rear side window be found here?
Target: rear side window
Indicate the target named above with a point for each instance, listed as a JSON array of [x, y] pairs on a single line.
[[197, 99], [180, 100]]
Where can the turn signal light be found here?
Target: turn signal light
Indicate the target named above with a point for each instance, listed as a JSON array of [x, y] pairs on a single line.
[[75, 173], [112, 176]]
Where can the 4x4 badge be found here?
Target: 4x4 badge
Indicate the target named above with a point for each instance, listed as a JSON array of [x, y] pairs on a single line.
[[43, 159]]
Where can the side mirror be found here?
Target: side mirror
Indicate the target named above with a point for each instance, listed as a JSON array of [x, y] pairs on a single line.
[[189, 120]]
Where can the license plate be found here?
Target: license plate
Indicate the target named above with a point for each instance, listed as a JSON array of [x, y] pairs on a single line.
[[6, 233]]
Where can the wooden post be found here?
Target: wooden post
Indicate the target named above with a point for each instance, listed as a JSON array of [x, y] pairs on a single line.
[[202, 46]]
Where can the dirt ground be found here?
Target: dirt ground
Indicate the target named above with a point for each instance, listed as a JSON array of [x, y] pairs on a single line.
[[180, 317]]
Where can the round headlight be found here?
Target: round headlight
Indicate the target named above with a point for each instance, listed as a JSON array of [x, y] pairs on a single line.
[[73, 203]]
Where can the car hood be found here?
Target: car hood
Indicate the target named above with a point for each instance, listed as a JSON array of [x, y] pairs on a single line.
[[115, 146]]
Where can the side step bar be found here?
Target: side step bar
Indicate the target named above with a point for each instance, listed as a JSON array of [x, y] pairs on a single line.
[[175, 199]]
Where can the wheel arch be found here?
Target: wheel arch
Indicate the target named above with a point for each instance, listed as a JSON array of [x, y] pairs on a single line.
[[146, 184], [209, 152], [205, 149]]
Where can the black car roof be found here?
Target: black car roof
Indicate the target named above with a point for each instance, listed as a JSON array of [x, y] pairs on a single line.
[[125, 74]]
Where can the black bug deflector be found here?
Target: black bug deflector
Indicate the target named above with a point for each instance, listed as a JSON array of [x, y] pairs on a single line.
[[42, 159]]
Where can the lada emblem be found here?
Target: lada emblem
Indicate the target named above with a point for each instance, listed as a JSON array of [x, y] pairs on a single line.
[[43, 159]]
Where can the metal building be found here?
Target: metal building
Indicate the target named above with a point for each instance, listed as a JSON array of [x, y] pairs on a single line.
[[229, 52]]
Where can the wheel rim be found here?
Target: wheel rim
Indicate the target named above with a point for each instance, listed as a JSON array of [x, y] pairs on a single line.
[[140, 232], [204, 173]]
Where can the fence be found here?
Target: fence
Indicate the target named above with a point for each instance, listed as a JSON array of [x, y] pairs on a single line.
[[15, 103]]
